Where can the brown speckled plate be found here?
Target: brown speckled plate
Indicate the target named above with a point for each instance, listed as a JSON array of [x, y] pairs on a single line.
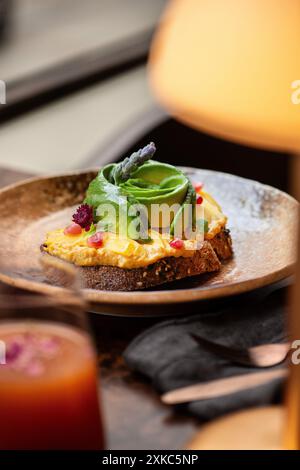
[[262, 221]]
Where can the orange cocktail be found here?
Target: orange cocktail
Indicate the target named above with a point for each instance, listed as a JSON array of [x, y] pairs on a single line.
[[48, 387]]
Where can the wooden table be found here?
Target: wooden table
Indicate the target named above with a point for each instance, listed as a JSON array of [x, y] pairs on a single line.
[[134, 416]]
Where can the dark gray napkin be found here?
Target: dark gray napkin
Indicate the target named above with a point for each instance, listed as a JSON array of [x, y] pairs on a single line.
[[169, 355]]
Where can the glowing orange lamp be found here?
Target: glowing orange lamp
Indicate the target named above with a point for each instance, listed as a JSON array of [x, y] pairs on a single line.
[[232, 68]]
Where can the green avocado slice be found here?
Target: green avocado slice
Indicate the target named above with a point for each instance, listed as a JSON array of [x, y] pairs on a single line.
[[130, 183]]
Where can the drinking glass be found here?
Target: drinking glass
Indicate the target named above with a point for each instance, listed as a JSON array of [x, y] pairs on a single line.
[[48, 371]]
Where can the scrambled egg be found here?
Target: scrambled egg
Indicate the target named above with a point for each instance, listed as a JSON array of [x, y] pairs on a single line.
[[212, 212], [128, 253], [115, 251]]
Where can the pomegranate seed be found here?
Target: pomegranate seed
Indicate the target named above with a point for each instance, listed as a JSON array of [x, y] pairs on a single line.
[[95, 241], [198, 187], [199, 200], [176, 243], [73, 229]]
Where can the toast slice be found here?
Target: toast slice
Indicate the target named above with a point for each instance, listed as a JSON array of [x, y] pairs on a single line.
[[206, 259]]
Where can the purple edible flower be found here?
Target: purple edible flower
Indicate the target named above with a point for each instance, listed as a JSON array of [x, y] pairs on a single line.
[[29, 353], [84, 216], [13, 351]]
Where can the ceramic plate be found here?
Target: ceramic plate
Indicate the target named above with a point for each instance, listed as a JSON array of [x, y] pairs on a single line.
[[262, 221]]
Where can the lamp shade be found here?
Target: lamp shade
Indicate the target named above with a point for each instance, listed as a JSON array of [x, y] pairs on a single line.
[[232, 68]]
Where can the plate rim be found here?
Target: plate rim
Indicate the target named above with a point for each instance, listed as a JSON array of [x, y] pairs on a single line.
[[169, 296]]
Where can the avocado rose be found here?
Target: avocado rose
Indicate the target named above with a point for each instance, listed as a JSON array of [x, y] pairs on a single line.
[[138, 181]]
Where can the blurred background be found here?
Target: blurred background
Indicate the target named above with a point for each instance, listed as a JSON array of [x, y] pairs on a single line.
[[78, 96]]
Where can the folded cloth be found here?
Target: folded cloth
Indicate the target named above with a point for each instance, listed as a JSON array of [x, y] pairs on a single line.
[[169, 355]]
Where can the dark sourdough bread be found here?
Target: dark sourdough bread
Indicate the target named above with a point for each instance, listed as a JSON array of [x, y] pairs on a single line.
[[206, 259]]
